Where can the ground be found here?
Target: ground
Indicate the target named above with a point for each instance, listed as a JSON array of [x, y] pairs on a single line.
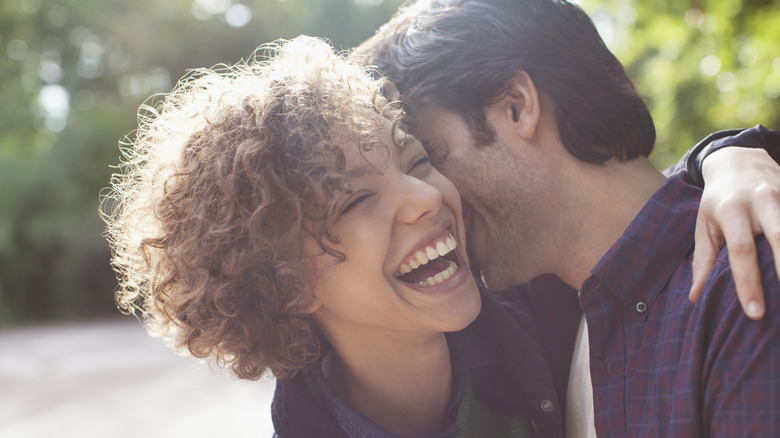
[[109, 379]]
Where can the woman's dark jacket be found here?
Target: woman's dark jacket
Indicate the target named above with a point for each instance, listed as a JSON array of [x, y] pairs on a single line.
[[530, 378]]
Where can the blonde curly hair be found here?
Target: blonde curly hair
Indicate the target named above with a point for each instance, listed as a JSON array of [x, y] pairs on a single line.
[[217, 189]]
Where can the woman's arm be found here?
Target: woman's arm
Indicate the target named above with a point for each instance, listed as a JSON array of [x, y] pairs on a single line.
[[741, 199]]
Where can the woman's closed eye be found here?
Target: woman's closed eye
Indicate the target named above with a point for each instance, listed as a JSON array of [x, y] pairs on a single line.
[[419, 161], [355, 201]]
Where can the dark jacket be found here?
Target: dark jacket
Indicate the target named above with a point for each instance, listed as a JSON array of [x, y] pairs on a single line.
[[529, 379]]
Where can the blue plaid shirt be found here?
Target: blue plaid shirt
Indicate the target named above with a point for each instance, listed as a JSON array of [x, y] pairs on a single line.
[[662, 366]]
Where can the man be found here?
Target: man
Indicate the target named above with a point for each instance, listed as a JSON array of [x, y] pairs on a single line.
[[547, 141]]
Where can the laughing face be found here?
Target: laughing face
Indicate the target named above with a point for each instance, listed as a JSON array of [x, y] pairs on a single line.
[[501, 196], [401, 231]]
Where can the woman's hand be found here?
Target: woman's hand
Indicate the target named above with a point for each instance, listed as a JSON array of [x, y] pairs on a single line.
[[741, 199]]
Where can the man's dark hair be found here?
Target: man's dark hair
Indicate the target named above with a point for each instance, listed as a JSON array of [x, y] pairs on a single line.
[[461, 54]]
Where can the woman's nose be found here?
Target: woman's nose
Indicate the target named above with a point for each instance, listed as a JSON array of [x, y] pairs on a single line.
[[418, 201]]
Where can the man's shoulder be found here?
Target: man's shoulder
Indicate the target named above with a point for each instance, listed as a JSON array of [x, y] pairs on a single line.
[[740, 355], [679, 191], [721, 278]]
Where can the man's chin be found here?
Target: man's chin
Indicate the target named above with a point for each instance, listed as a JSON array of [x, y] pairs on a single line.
[[495, 281], [491, 283], [485, 276], [474, 264]]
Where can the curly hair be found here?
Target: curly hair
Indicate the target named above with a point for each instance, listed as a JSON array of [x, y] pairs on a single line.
[[218, 188]]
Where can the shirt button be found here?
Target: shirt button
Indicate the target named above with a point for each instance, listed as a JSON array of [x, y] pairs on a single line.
[[547, 405], [641, 307]]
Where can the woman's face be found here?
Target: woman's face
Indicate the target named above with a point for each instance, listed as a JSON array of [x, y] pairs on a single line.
[[402, 233]]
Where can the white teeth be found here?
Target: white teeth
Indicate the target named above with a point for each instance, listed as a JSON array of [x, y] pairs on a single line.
[[413, 264], [423, 257], [441, 276], [442, 248], [451, 244]]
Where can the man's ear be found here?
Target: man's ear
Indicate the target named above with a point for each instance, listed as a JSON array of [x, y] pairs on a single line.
[[521, 105]]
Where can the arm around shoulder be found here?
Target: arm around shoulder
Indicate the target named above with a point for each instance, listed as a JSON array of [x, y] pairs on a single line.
[[741, 382], [741, 199]]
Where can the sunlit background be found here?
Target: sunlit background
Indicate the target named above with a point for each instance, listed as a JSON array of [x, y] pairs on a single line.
[[72, 74]]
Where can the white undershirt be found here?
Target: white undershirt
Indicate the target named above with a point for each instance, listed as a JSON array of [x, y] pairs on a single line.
[[579, 396]]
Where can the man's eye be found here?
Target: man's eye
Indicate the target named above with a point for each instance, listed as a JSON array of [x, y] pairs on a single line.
[[354, 202], [437, 150], [421, 161]]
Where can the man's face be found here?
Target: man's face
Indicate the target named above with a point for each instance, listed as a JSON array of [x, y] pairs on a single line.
[[499, 192]]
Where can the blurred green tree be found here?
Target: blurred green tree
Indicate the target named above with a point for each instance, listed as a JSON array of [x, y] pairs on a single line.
[[703, 65], [73, 72]]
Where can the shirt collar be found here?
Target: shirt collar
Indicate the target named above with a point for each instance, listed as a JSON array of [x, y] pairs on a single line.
[[643, 260]]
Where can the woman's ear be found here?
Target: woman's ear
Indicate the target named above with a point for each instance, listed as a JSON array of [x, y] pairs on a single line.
[[308, 304], [521, 105]]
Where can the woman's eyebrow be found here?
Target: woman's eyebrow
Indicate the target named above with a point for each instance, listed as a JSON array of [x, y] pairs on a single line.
[[407, 139], [359, 171]]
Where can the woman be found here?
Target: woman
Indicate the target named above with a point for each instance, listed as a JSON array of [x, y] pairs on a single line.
[[274, 216]]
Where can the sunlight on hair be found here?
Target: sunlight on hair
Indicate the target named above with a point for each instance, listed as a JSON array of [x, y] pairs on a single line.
[[230, 155]]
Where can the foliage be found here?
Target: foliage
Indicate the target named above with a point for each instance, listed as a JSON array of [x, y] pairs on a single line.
[[73, 72], [703, 65]]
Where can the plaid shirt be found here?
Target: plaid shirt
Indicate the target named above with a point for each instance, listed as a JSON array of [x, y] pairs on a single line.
[[664, 367]]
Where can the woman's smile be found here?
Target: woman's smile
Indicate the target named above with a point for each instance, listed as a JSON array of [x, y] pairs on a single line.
[[401, 231], [435, 267]]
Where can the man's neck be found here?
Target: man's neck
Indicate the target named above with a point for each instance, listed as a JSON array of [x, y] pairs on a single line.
[[604, 199]]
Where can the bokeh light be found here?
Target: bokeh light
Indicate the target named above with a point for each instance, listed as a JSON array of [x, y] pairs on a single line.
[[238, 15], [16, 49], [54, 102]]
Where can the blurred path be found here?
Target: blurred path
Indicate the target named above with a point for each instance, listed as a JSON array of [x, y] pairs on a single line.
[[111, 380]]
